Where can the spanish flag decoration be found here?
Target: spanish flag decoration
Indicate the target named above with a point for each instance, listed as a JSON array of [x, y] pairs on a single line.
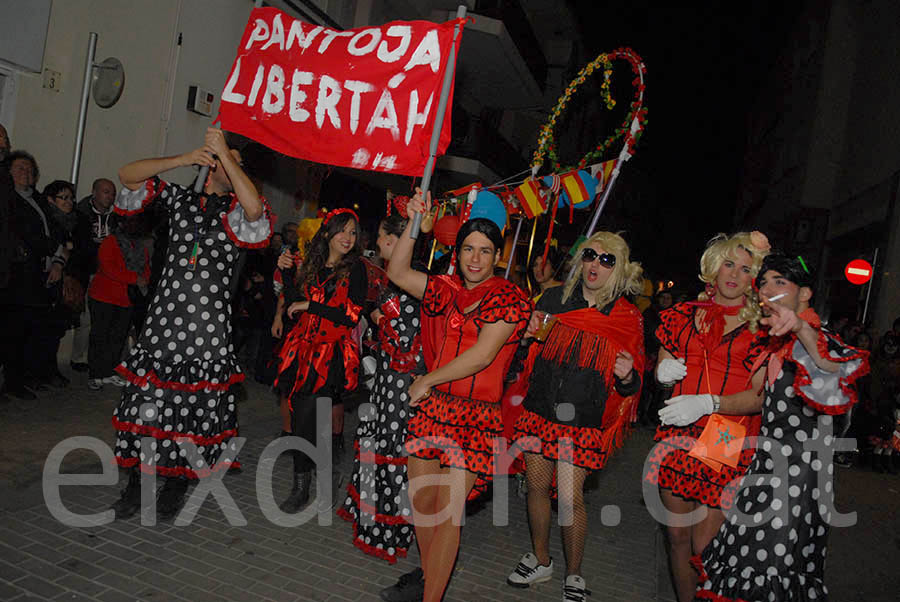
[[578, 187], [532, 198], [603, 173]]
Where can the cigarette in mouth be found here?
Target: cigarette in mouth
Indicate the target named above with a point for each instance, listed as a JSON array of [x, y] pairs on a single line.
[[777, 297]]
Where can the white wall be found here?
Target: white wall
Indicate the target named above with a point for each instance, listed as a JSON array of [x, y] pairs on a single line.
[[138, 34], [151, 118], [211, 31]]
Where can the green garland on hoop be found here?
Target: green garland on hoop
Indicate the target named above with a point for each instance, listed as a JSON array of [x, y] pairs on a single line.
[[546, 144]]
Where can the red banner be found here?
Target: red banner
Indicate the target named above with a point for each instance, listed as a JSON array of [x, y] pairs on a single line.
[[364, 98]]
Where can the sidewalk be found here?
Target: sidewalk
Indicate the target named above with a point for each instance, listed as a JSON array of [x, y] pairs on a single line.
[[212, 560]]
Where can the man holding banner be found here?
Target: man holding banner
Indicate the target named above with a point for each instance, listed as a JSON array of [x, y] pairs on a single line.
[[177, 414]]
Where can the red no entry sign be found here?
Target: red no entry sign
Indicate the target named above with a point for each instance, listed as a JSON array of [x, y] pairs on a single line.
[[858, 271]]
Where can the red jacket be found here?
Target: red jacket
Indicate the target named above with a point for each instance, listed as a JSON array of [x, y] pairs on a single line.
[[110, 284]]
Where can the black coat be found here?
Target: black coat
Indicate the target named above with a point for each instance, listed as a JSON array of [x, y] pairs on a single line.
[[30, 248]]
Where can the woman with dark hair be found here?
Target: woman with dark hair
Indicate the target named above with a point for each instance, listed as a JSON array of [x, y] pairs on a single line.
[[480, 319], [543, 275], [319, 357], [72, 230], [583, 383], [381, 516]]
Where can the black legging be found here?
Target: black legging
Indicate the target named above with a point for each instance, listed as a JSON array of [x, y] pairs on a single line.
[[303, 424]]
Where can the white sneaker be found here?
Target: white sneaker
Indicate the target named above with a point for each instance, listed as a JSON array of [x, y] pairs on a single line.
[[116, 380], [574, 589], [530, 571], [95, 384]]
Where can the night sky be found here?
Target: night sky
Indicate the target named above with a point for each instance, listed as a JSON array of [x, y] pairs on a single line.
[[705, 61]]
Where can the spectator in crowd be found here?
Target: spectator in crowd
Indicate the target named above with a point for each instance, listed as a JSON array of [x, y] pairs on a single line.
[[7, 191], [652, 393], [97, 209], [545, 275], [264, 370], [123, 260], [289, 235], [73, 231], [37, 263]]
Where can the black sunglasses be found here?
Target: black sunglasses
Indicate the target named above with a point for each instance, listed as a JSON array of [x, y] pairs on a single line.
[[607, 260]]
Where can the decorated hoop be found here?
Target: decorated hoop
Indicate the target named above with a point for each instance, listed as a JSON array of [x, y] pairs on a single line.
[[636, 113]]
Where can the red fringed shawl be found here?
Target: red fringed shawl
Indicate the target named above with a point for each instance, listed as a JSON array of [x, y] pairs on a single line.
[[591, 340]]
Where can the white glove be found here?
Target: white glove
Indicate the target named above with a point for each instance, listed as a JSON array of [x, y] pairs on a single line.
[[668, 371], [686, 409]]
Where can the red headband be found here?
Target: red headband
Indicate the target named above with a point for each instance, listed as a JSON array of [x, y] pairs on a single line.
[[339, 211]]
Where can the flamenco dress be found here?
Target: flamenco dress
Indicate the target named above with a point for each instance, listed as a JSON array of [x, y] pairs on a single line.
[[575, 367], [773, 546], [319, 356], [181, 371], [720, 364], [377, 502], [459, 421]]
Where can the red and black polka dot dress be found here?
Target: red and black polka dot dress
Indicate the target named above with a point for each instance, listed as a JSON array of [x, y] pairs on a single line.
[[726, 371], [182, 369], [458, 422]]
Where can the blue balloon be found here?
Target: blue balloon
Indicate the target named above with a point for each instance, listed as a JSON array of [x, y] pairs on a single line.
[[590, 185], [488, 205]]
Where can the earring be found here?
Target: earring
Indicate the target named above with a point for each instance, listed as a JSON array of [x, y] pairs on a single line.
[[710, 290]]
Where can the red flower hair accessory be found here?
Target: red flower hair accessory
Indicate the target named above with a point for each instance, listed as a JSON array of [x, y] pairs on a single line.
[[339, 211]]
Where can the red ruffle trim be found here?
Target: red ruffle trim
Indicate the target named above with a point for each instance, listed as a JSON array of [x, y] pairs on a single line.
[[373, 458], [369, 549], [202, 385], [384, 519], [706, 595], [697, 563], [803, 379], [267, 214], [154, 186], [156, 433], [176, 471]]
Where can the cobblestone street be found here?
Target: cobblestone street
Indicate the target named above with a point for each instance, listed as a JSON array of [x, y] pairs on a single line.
[[210, 559]]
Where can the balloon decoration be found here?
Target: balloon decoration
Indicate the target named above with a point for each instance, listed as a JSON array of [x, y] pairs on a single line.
[[445, 230], [576, 186], [488, 205]]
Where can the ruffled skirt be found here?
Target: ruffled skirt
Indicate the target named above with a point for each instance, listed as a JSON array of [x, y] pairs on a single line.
[[182, 408], [671, 468], [458, 432], [579, 446]]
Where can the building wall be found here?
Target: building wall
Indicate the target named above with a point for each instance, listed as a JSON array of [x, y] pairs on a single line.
[[151, 118], [46, 121], [823, 142]]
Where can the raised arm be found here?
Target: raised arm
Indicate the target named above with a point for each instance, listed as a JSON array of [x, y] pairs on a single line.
[[399, 268], [133, 175], [244, 189]]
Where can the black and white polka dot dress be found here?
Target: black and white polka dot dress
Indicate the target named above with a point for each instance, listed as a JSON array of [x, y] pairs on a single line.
[[772, 545], [182, 369], [377, 501]]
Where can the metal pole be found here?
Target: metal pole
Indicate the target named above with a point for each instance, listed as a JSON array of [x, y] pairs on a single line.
[[871, 280], [512, 254], [439, 119], [82, 113]]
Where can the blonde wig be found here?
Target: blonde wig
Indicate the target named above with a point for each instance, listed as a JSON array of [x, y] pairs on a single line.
[[723, 247], [625, 277]]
